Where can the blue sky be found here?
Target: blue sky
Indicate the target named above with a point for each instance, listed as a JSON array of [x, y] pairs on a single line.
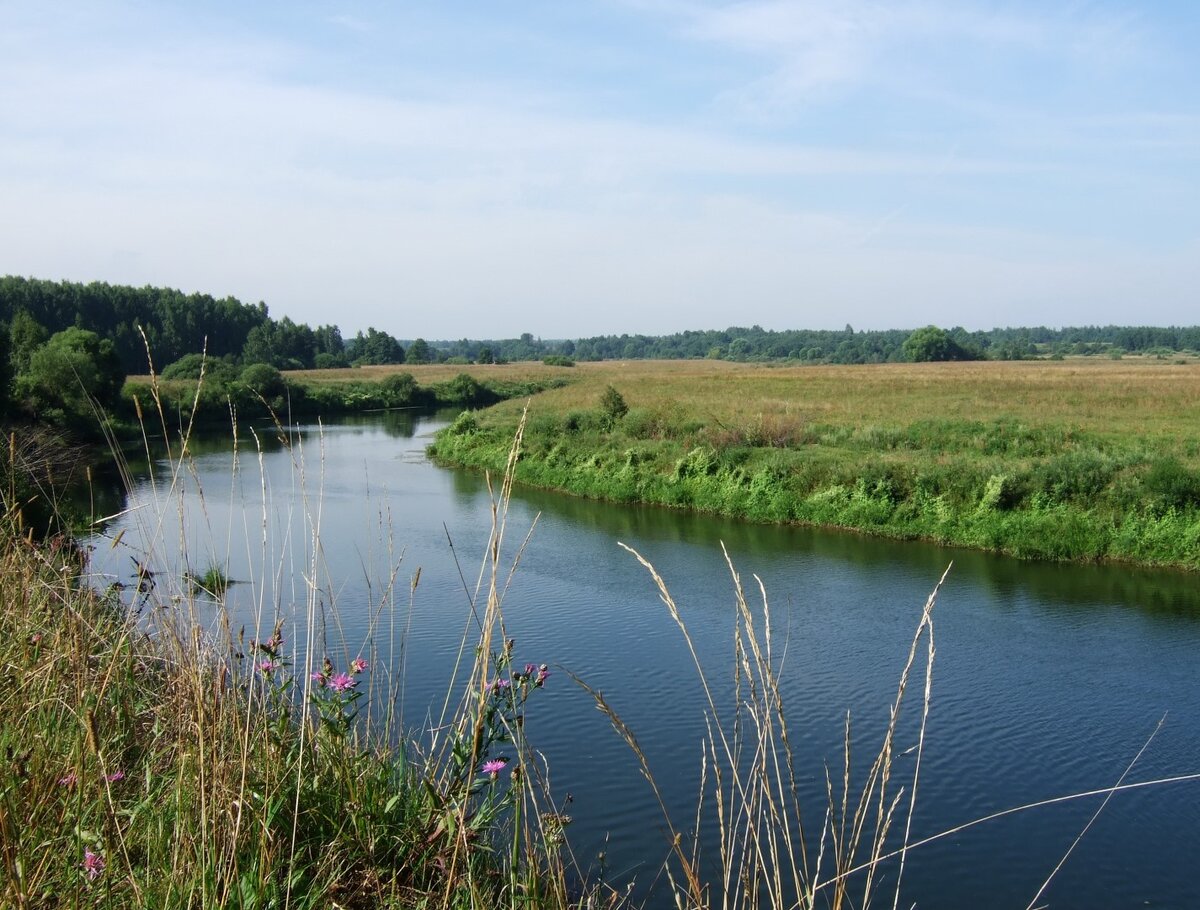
[[569, 169]]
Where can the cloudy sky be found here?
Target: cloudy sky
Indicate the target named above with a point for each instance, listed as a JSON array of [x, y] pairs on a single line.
[[575, 168]]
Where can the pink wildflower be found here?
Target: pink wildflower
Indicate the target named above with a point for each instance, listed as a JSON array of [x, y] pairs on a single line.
[[267, 665], [318, 678], [342, 682], [69, 779], [529, 668], [543, 674], [358, 665], [115, 776], [501, 683], [494, 767], [35, 638], [93, 864]]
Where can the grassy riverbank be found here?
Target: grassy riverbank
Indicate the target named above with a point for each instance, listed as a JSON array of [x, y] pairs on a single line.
[[144, 763], [1074, 460]]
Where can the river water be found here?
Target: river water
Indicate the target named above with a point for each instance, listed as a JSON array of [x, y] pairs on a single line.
[[1048, 679]]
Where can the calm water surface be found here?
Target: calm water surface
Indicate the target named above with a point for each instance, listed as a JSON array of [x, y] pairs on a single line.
[[1048, 678]]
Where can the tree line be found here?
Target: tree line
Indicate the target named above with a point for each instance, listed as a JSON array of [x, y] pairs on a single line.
[[97, 333]]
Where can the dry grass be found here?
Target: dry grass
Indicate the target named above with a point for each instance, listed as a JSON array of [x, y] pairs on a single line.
[[1108, 398]]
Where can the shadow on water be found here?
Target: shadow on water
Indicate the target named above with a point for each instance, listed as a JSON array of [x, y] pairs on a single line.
[[1155, 591]]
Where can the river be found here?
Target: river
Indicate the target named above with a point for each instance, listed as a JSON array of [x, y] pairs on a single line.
[[1048, 678]]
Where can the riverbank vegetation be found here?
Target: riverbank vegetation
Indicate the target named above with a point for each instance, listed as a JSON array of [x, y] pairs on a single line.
[[1072, 460], [153, 754]]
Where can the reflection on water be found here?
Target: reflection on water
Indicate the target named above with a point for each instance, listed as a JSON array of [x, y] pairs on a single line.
[[1049, 678]]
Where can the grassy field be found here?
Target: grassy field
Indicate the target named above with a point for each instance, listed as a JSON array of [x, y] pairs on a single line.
[[1075, 460]]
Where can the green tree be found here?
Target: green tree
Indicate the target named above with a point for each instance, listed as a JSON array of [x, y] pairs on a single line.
[[264, 379], [399, 389], [70, 373], [418, 352], [932, 344], [464, 389], [6, 371], [25, 335], [612, 405]]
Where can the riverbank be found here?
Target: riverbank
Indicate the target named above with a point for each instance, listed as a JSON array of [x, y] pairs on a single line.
[[1075, 460], [145, 762], [262, 391]]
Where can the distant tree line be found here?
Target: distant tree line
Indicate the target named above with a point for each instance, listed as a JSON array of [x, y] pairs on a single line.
[[884, 346], [65, 346]]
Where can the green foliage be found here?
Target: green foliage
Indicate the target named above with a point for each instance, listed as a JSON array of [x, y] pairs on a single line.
[[375, 347], [216, 371], [1076, 475], [464, 424], [26, 335], [612, 405], [558, 360], [399, 390], [932, 344], [1173, 484], [284, 344], [418, 352], [69, 374], [464, 389], [1040, 492], [212, 582], [173, 323], [264, 379]]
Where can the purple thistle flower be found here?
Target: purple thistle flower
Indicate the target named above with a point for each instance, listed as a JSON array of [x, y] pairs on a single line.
[[115, 776], [267, 665], [358, 665], [543, 674], [93, 864], [494, 766], [529, 668], [342, 682], [318, 678], [69, 779], [501, 683]]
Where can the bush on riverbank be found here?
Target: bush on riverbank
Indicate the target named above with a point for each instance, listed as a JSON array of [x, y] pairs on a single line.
[[261, 390]]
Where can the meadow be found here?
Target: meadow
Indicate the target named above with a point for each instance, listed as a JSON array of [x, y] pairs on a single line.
[[1080, 459]]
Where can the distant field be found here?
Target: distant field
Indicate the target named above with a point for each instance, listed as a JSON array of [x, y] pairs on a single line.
[[1110, 398], [1073, 459]]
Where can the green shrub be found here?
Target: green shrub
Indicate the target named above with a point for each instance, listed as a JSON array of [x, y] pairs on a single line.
[[398, 389], [464, 425], [1173, 483], [1075, 476], [612, 406], [263, 379]]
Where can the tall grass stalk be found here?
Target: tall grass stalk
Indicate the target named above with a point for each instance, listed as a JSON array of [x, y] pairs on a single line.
[[763, 853]]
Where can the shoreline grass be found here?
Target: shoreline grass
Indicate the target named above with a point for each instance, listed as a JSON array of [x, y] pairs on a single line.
[[1060, 461], [151, 759]]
